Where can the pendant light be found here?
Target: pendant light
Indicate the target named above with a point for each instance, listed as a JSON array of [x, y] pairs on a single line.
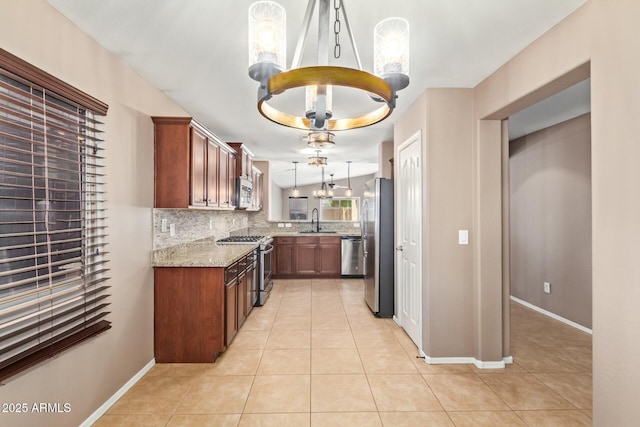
[[295, 192], [348, 192]]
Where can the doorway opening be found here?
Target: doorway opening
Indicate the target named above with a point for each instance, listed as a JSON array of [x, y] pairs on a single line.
[[548, 206]]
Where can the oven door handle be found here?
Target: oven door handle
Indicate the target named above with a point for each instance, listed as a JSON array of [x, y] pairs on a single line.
[[268, 250]]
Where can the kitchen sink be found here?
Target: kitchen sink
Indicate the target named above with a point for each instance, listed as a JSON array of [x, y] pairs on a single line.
[[318, 232]]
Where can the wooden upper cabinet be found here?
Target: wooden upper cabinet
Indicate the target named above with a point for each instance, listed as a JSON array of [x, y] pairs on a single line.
[[244, 160], [231, 183], [223, 173], [172, 157], [191, 166], [258, 189], [199, 164], [213, 175]]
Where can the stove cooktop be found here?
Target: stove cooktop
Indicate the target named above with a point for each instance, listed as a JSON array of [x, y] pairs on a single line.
[[241, 239]]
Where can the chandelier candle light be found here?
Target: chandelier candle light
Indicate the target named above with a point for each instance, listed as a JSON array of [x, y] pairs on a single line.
[[267, 51]]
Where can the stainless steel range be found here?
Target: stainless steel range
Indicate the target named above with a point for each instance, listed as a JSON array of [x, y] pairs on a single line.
[[265, 250]]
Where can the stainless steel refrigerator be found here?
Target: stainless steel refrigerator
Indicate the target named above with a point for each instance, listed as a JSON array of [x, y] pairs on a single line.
[[377, 243]]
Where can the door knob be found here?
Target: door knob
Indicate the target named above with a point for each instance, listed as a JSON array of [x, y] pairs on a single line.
[[399, 248]]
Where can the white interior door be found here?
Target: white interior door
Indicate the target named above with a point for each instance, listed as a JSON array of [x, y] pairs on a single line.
[[409, 241]]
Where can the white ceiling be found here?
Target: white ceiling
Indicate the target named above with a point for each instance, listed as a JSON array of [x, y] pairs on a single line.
[[195, 51]]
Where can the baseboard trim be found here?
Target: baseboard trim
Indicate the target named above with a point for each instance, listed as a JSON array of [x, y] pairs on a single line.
[[117, 395], [508, 360], [552, 315], [395, 319], [500, 364]]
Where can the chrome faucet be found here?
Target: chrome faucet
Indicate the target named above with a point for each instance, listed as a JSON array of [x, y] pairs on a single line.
[[317, 220]]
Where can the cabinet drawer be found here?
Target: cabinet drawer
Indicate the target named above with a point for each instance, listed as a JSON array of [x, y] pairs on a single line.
[[332, 240], [231, 272], [284, 240], [306, 240]]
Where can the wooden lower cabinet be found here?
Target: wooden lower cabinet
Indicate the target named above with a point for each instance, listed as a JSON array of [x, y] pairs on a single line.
[[231, 311], [308, 256], [305, 256], [243, 308], [199, 310], [283, 256], [189, 314], [330, 256]]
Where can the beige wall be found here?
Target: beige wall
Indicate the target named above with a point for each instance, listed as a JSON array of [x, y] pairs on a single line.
[[598, 40], [87, 375], [385, 155], [444, 116], [550, 218], [602, 34]]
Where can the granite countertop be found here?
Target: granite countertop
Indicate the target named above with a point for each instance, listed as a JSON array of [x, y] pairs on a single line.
[[289, 233], [201, 253]]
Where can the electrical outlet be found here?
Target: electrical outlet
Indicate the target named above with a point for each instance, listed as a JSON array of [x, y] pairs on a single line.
[[210, 224], [281, 225], [172, 230], [356, 224], [163, 225], [547, 287], [287, 225]]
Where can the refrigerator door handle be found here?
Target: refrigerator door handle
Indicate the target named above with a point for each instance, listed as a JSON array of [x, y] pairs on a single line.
[[363, 227]]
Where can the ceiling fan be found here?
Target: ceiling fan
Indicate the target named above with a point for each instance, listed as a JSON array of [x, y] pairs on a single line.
[[333, 184]]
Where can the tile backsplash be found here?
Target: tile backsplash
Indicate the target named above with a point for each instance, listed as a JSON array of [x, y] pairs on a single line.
[[195, 224]]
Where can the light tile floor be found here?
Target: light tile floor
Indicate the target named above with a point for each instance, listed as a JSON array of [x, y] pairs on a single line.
[[315, 356]]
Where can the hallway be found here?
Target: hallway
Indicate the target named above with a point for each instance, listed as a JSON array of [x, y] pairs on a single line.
[[315, 356]]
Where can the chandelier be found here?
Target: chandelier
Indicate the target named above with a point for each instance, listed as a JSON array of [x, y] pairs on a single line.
[[318, 160], [323, 192], [267, 57]]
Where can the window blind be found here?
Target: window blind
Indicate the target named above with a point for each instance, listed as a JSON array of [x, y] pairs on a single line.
[[53, 257]]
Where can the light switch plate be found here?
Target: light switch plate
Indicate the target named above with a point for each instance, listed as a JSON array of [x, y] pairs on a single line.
[[163, 225], [172, 230], [287, 225], [463, 237]]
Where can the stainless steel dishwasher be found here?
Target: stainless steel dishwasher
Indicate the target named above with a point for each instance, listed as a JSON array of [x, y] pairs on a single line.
[[352, 256]]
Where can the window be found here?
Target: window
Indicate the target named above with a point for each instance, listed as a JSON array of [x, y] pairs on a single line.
[[339, 209], [52, 249], [298, 208]]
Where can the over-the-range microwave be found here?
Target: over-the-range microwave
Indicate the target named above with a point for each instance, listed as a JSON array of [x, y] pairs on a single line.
[[244, 190]]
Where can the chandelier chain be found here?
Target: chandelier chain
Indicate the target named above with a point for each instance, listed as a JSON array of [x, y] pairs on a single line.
[[336, 29]]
